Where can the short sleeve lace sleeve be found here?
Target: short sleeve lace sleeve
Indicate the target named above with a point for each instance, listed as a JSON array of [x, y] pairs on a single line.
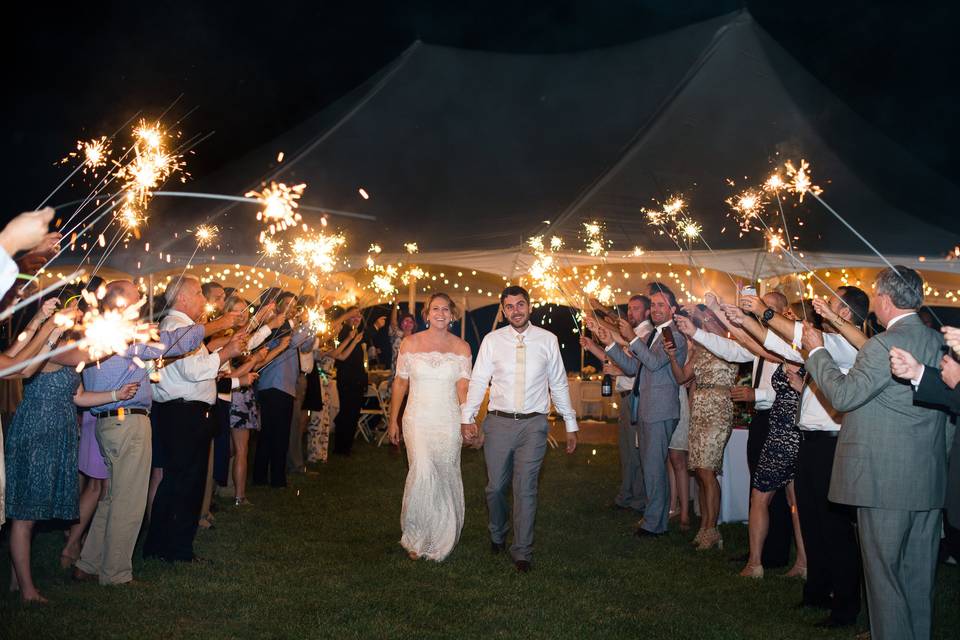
[[403, 366], [465, 368]]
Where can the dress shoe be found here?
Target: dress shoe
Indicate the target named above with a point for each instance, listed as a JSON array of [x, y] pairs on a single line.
[[752, 571], [82, 576], [834, 623], [523, 566], [643, 533], [497, 547]]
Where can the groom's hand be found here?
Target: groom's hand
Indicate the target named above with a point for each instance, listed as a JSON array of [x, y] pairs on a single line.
[[469, 432], [571, 441]]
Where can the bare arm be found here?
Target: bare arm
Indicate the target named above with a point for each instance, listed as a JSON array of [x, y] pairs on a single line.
[[851, 334], [84, 398]]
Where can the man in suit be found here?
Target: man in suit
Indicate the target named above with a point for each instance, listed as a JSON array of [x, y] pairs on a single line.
[[891, 458], [940, 389], [655, 400]]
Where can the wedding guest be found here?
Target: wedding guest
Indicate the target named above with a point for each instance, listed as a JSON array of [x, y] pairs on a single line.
[[402, 325], [320, 421], [185, 396], [655, 400], [41, 454], [711, 420], [24, 232], [761, 394], [94, 480], [829, 537], [631, 494], [124, 433], [351, 383], [276, 389], [891, 458], [298, 425]]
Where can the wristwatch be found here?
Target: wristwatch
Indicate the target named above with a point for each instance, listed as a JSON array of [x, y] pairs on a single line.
[[768, 315]]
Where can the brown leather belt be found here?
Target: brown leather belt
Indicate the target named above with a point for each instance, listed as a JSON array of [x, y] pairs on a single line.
[[514, 416]]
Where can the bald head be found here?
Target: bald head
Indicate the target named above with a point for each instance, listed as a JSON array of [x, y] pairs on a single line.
[[119, 295]]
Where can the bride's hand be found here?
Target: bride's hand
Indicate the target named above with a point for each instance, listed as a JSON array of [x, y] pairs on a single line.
[[393, 433], [468, 432]]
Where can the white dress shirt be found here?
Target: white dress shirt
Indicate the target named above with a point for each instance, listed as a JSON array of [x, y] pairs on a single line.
[[544, 378], [642, 330], [816, 414], [733, 351], [8, 271], [192, 377], [307, 360]]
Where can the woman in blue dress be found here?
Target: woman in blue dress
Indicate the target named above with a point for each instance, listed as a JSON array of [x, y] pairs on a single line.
[[41, 456]]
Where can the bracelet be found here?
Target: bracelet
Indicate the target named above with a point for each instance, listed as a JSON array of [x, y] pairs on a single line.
[[113, 394]]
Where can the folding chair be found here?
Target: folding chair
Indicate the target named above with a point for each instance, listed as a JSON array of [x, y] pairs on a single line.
[[368, 416]]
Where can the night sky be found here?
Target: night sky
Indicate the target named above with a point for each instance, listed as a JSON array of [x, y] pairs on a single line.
[[249, 71]]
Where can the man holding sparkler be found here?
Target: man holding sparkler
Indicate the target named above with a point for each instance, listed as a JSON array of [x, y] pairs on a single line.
[[655, 400], [891, 458], [185, 396]]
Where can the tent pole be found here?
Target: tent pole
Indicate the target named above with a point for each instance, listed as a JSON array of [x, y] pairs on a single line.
[[463, 320], [150, 295], [496, 318]]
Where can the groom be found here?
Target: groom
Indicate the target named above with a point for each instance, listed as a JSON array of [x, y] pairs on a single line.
[[520, 363]]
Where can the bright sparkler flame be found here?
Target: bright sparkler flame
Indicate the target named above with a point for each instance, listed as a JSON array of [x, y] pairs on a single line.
[[111, 331], [270, 246], [206, 234], [149, 135], [594, 243], [130, 218], [412, 247], [801, 181], [279, 204], [317, 319], [556, 243], [774, 183], [775, 241], [747, 206], [319, 251], [375, 248], [536, 243], [637, 252], [691, 229]]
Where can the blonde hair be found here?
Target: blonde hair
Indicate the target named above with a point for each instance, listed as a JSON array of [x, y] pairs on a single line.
[[454, 310]]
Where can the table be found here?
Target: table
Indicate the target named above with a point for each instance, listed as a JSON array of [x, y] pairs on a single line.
[[587, 400]]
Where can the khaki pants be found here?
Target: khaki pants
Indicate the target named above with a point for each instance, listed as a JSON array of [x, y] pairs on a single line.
[[126, 447]]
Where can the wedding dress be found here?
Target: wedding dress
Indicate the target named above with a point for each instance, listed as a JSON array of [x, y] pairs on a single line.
[[433, 506]]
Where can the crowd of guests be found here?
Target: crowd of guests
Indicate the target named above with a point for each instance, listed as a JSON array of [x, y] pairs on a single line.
[[848, 444]]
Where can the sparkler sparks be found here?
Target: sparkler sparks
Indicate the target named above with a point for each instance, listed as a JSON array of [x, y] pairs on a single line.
[[690, 229], [801, 181], [747, 207], [279, 204], [206, 234], [412, 248], [111, 331], [93, 153], [318, 252], [317, 319], [775, 240], [270, 247], [594, 242]]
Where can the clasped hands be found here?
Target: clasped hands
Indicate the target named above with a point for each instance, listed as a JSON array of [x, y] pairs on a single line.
[[472, 434]]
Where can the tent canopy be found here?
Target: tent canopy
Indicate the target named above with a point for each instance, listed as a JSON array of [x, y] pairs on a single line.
[[469, 153]]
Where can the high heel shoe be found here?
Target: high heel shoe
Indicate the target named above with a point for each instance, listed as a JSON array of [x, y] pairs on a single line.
[[796, 572], [710, 539], [752, 571], [697, 539]]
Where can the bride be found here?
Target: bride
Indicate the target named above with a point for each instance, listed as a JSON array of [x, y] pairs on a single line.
[[434, 365]]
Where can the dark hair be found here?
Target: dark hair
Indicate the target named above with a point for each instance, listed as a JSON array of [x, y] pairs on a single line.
[[284, 295], [641, 298], [207, 287], [857, 301], [454, 311], [658, 287], [403, 316], [306, 300], [903, 285], [514, 290]]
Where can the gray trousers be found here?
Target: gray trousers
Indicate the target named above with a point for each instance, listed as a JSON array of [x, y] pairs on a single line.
[[297, 423], [514, 451], [654, 441], [632, 494], [899, 550]]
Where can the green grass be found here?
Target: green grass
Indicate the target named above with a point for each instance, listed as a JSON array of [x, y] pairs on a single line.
[[321, 559]]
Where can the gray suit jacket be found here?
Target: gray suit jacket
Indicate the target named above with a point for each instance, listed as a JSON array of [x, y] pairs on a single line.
[[891, 454], [659, 398]]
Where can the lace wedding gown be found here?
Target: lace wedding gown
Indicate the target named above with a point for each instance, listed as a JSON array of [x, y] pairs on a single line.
[[433, 507]]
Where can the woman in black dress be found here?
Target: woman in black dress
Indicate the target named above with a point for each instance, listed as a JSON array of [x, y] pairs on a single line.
[[776, 469]]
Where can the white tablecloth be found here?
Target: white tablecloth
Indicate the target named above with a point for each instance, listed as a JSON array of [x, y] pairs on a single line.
[[735, 481]]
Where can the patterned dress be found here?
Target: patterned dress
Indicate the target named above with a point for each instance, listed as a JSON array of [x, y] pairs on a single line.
[[318, 427], [711, 410], [41, 450], [244, 412], [778, 459]]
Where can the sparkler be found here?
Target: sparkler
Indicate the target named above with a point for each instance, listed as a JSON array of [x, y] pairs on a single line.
[[206, 235], [93, 154], [412, 248], [279, 204], [594, 242], [318, 252], [801, 181], [747, 207]]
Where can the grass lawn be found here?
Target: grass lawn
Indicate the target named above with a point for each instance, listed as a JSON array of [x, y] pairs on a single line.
[[322, 559]]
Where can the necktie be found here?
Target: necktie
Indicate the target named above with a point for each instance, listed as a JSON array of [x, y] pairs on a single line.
[[758, 373], [634, 398], [520, 382]]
